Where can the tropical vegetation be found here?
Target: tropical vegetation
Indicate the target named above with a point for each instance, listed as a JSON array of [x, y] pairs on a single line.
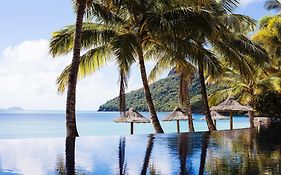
[[269, 104], [165, 94], [183, 37]]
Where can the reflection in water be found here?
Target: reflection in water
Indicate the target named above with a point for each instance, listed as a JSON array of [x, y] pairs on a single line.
[[69, 167], [60, 166], [70, 155], [204, 148], [228, 152], [147, 154], [122, 162], [246, 152], [183, 151]]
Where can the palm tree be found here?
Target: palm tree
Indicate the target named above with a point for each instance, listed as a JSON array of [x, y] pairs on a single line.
[[219, 30], [127, 40], [136, 26], [182, 68], [227, 43], [268, 36], [245, 88], [71, 129]]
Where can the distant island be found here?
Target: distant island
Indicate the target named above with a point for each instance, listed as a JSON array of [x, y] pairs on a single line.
[[12, 109], [165, 96]]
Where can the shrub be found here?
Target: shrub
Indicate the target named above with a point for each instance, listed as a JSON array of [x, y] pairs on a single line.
[[269, 104]]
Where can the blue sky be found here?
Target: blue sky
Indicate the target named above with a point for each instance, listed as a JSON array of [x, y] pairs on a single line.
[[29, 72]]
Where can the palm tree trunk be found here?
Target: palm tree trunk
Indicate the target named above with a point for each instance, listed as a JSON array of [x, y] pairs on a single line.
[[185, 101], [151, 108], [122, 97], [71, 129], [209, 120], [251, 113]]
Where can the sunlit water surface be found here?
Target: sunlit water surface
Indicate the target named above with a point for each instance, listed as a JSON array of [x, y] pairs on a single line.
[[41, 124], [242, 151]]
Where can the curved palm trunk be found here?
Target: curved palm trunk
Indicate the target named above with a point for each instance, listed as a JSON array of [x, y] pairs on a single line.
[[209, 120], [151, 108], [251, 113], [122, 97], [71, 129], [185, 101]]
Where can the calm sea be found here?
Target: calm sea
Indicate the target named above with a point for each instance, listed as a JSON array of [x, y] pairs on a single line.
[[44, 124]]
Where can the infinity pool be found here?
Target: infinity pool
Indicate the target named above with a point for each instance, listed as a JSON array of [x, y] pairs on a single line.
[[242, 151]]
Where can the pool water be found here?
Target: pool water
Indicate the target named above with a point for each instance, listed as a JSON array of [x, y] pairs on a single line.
[[242, 151], [49, 124]]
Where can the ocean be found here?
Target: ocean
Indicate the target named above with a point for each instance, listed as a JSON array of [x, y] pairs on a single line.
[[49, 124]]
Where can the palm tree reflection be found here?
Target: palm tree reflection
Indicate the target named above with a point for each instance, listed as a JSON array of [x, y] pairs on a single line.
[[204, 147], [70, 155], [147, 156], [183, 151], [122, 162]]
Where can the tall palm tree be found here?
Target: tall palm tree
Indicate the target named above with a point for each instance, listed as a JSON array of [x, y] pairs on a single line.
[[225, 40], [218, 30], [127, 39], [182, 68], [132, 27], [71, 129]]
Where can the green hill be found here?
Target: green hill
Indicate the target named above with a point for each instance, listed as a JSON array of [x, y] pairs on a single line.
[[165, 96]]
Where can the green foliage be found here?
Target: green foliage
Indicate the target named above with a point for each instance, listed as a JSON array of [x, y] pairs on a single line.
[[269, 104], [165, 96]]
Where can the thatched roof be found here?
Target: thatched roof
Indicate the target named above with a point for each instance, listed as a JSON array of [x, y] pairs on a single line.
[[231, 105], [132, 116], [177, 114], [216, 116]]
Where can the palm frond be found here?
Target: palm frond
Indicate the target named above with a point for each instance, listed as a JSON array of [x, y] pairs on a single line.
[[93, 34], [90, 62], [272, 5]]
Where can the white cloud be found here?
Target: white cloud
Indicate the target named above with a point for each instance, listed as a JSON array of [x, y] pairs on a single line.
[[28, 74]]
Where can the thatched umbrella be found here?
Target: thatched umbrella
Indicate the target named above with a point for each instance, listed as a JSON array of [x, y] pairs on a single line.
[[176, 115], [215, 116], [230, 105], [132, 116]]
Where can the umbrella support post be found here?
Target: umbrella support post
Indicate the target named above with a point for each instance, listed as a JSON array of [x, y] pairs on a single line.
[[251, 118], [132, 128], [215, 122], [178, 126], [231, 120]]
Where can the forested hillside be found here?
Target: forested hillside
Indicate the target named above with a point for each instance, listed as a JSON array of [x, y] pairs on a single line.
[[165, 96]]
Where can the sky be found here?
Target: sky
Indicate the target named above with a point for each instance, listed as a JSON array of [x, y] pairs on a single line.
[[27, 71]]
